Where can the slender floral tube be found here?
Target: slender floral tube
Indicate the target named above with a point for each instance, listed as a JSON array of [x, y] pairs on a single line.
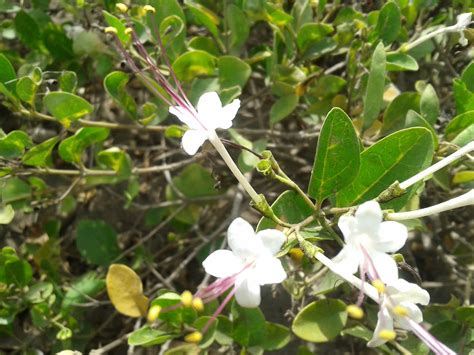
[[439, 165], [457, 202]]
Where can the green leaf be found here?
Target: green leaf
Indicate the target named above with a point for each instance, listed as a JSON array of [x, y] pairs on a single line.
[[147, 336], [373, 98], [13, 190], [467, 76], [210, 334], [68, 81], [72, 148], [40, 155], [238, 25], [13, 144], [401, 62], [448, 331], [57, 42], [7, 72], [7, 213], [429, 105], [224, 331], [117, 160], [26, 90], [18, 272], [88, 43], [394, 118], [464, 98], [397, 157], [86, 286], [249, 326], [97, 242], [312, 33], [414, 119], [283, 107], [337, 159], [120, 26], [465, 137], [171, 28], [27, 29], [389, 23], [204, 16], [206, 44], [39, 292], [458, 124], [233, 71], [277, 336], [115, 84], [67, 107], [194, 64], [320, 321]]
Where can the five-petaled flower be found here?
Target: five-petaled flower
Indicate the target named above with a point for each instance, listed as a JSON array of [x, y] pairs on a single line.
[[203, 122], [398, 304], [368, 240], [250, 263]]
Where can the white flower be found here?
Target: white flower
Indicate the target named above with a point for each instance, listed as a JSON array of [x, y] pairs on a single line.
[[463, 21], [399, 306], [250, 263], [368, 240], [209, 116]]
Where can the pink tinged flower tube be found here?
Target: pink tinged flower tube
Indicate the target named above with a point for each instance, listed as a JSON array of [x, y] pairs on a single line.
[[368, 240]]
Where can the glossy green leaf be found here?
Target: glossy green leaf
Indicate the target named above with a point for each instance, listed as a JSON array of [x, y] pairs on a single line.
[[233, 71], [40, 155], [86, 286], [458, 124], [373, 98], [238, 25], [194, 64], [26, 90], [206, 44], [117, 160], [394, 118], [464, 137], [67, 107], [13, 190], [96, 242], [147, 336], [7, 72], [467, 76], [397, 157], [337, 160], [13, 144], [320, 321], [283, 107], [277, 336], [7, 213], [414, 119], [463, 97], [429, 105], [68, 81], [18, 272], [171, 28], [249, 326], [72, 148], [312, 33], [115, 84], [205, 17], [389, 23], [120, 26], [401, 62]]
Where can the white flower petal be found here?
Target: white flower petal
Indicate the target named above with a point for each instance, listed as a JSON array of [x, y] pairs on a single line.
[[369, 216], [272, 240], [404, 291], [209, 109], [348, 227], [414, 313], [392, 236], [222, 263], [185, 116], [247, 293], [386, 267], [463, 20], [385, 322], [192, 140], [268, 270], [242, 240], [228, 113], [348, 259]]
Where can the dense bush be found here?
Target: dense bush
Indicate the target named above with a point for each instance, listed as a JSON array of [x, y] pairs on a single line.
[[113, 210]]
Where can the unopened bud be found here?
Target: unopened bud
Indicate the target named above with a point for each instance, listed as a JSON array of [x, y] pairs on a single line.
[[401, 311], [110, 29], [296, 254], [355, 311], [149, 8], [121, 7], [187, 298], [153, 313], [388, 335], [194, 337], [128, 31], [379, 285], [197, 304]]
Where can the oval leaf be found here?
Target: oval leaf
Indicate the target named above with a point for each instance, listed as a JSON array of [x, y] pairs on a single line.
[[397, 157], [320, 321], [97, 242], [115, 84], [72, 148], [283, 107], [337, 157], [373, 98], [40, 155], [125, 290], [193, 64], [67, 107]]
